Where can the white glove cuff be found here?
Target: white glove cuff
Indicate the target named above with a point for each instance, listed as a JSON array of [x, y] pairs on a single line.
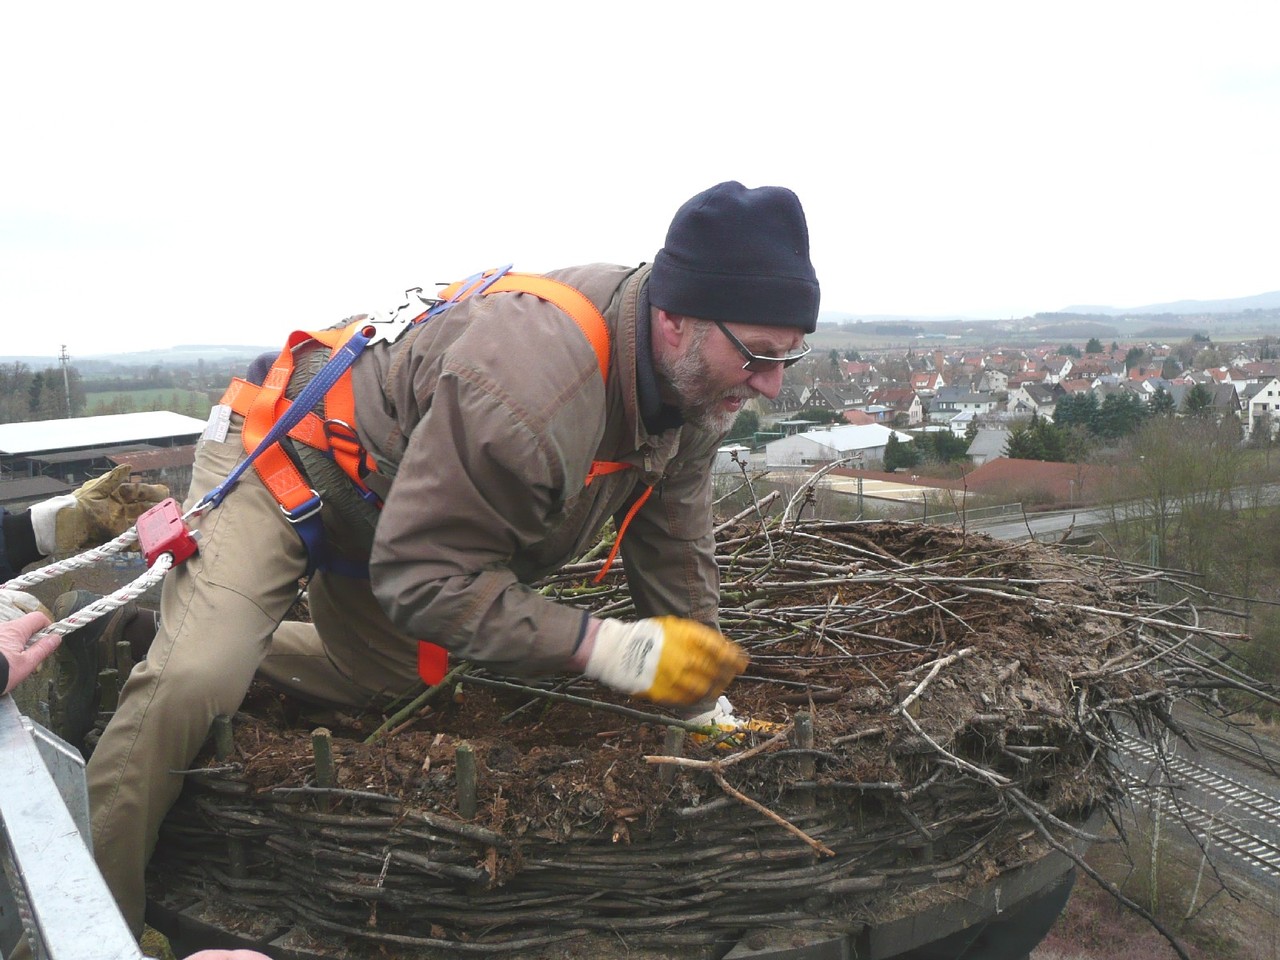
[[625, 655], [44, 521], [16, 603]]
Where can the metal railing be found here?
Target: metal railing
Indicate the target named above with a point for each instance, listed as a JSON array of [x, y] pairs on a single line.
[[972, 514], [55, 893]]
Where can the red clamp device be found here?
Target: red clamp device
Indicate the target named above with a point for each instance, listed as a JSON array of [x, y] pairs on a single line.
[[162, 530]]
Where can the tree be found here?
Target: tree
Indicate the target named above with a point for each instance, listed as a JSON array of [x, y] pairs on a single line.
[[1133, 357], [1040, 439], [1077, 410], [898, 455], [1176, 491], [1119, 415], [1162, 405], [1210, 357], [1198, 402], [817, 414], [942, 446], [1069, 350], [1093, 346], [744, 426], [35, 391]]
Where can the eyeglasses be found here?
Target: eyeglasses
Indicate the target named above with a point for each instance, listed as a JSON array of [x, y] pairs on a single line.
[[758, 364]]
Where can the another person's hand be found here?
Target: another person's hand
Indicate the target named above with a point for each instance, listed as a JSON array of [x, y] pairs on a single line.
[[668, 660], [100, 510], [23, 660]]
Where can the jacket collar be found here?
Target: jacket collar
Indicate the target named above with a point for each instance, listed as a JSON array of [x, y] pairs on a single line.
[[656, 416]]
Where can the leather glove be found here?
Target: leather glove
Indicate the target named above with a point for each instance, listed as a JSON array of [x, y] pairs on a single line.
[[668, 660], [18, 603], [101, 509]]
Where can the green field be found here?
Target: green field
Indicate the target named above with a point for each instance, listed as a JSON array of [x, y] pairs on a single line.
[[193, 403]]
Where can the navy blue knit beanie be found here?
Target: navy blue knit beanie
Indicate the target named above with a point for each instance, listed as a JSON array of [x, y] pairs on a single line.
[[738, 255]]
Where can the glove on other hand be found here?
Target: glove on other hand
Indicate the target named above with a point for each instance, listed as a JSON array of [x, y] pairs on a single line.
[[668, 660], [100, 510]]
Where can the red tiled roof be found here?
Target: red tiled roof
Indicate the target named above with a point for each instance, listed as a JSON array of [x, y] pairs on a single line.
[[1065, 482]]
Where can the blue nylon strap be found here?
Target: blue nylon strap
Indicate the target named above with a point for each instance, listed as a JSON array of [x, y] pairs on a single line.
[[308, 398], [310, 530]]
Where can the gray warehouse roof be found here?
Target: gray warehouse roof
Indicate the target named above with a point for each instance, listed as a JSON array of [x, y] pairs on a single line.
[[117, 428]]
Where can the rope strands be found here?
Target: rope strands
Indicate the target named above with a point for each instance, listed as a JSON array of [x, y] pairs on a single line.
[[959, 700]]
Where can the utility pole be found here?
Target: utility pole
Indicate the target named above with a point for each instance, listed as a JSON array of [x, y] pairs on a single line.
[[65, 359]]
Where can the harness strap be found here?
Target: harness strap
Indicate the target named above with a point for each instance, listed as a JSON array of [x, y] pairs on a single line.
[[622, 528], [569, 300]]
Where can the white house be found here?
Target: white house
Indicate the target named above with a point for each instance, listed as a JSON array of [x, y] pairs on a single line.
[[1262, 406], [952, 400], [823, 446]]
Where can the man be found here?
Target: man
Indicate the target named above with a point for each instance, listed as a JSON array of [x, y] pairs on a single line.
[[483, 423]]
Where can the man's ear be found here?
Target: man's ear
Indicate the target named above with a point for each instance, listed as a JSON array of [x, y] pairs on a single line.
[[670, 328]]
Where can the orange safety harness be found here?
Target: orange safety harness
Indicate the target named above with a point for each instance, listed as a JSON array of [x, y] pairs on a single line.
[[269, 416]]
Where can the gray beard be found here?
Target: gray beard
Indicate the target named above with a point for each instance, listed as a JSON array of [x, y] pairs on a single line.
[[686, 377]]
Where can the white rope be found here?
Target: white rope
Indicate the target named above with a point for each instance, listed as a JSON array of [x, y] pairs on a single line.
[[112, 601], [104, 605], [86, 559]]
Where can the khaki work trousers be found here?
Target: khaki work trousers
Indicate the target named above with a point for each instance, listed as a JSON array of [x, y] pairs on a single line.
[[220, 616]]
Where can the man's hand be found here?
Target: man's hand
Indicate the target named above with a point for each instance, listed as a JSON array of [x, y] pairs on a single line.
[[100, 510], [23, 660], [664, 659]]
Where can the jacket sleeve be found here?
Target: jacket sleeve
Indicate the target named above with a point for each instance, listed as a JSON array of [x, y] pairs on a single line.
[[669, 549], [7, 570], [17, 543], [480, 480]]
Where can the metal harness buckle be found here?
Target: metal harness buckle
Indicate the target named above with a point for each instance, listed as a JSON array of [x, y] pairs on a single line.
[[414, 308], [305, 510]]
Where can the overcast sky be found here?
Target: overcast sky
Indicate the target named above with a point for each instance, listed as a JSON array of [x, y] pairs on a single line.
[[225, 173]]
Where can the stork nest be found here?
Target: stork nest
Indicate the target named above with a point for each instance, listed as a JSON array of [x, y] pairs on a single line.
[[935, 708]]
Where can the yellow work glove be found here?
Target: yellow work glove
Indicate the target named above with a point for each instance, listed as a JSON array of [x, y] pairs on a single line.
[[100, 510], [668, 660]]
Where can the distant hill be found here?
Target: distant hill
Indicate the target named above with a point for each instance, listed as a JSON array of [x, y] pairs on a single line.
[[1177, 308], [181, 355], [1260, 301]]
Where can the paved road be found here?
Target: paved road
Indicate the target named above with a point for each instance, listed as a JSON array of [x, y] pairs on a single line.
[[1042, 526], [1055, 524]]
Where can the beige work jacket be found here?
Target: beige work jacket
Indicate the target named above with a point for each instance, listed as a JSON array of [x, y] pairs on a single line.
[[487, 419]]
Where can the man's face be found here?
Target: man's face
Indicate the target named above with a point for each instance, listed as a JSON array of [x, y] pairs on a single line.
[[707, 378]]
